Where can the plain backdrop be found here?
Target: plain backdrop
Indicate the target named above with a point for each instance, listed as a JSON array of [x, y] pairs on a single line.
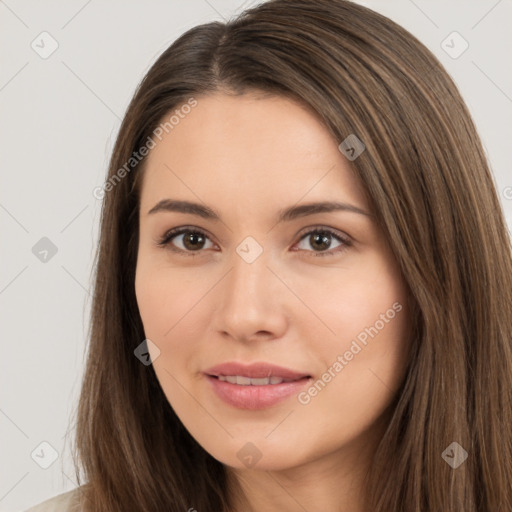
[[60, 114]]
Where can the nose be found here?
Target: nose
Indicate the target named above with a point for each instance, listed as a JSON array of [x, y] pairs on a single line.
[[251, 301]]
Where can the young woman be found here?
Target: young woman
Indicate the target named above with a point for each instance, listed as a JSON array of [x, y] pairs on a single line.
[[304, 281]]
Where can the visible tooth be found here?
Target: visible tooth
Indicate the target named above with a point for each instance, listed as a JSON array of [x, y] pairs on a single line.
[[260, 382], [247, 381]]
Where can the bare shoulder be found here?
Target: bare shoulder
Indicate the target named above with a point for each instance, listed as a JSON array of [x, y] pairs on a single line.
[[66, 502]]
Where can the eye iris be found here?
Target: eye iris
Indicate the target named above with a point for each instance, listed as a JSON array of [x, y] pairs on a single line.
[[195, 239], [319, 238]]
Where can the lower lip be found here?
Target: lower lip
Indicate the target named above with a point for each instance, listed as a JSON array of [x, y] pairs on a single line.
[[255, 397]]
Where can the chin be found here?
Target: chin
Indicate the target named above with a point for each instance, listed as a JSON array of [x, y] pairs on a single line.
[[257, 455]]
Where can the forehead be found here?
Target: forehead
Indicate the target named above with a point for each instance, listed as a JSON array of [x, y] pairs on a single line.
[[249, 149]]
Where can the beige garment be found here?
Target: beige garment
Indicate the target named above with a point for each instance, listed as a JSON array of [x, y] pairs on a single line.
[[65, 502]]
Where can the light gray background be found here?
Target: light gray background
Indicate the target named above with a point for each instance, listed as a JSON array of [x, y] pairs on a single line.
[[60, 116]]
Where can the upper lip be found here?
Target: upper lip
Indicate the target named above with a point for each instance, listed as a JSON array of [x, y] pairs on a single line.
[[254, 371]]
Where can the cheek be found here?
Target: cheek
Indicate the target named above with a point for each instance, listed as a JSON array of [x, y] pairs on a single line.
[[362, 371], [365, 360], [355, 298], [164, 297], [370, 362], [172, 309], [152, 298], [164, 301]]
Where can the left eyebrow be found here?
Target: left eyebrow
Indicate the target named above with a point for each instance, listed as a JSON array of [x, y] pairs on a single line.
[[284, 215], [303, 210]]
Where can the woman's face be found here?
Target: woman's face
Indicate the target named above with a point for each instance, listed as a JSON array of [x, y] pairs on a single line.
[[312, 296]]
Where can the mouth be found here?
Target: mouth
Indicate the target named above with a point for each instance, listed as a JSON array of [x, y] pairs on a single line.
[[255, 386], [242, 380], [254, 372]]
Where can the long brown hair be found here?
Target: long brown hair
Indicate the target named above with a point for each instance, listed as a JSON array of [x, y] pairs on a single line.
[[427, 179]]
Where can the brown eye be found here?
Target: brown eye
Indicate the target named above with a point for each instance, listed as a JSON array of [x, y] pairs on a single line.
[[321, 239], [193, 241], [184, 240]]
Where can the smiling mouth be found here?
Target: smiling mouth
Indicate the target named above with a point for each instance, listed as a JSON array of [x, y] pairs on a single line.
[[258, 385], [241, 380], [256, 374], [255, 393]]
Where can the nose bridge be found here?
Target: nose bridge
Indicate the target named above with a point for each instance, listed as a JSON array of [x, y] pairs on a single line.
[[249, 301], [249, 277]]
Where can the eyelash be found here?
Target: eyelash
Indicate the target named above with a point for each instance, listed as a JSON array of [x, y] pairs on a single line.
[[165, 240]]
